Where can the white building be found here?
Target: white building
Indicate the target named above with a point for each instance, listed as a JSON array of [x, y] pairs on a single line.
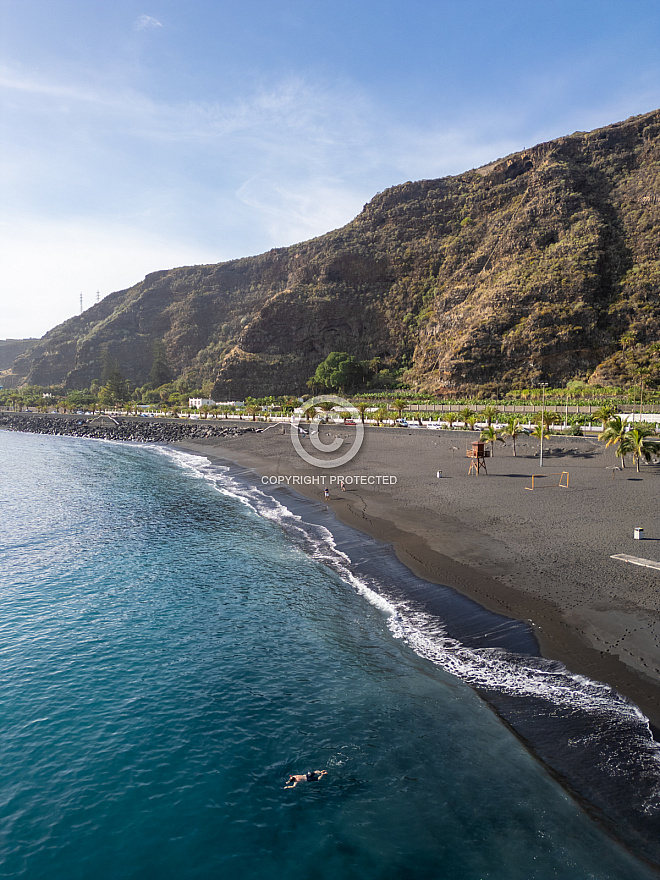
[[199, 402]]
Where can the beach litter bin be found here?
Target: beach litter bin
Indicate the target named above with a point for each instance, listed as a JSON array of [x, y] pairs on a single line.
[[638, 534]]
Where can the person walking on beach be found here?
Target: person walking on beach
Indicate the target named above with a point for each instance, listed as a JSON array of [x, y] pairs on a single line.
[[312, 776], [326, 492], [343, 486]]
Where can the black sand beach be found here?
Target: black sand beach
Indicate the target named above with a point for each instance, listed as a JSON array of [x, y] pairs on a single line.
[[542, 556]]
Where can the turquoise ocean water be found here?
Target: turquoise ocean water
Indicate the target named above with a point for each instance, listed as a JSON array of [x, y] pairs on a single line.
[[171, 649]]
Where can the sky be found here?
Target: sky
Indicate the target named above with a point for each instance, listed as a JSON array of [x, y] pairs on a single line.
[[138, 135]]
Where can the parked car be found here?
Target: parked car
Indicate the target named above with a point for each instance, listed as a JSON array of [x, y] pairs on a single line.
[[349, 421], [402, 423]]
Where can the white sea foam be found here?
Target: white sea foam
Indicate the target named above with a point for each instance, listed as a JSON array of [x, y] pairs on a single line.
[[485, 668], [488, 669]]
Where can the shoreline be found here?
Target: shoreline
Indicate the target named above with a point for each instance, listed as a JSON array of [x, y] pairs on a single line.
[[541, 557], [581, 725], [609, 634]]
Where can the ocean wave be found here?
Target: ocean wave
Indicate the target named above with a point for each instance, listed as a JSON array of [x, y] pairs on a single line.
[[556, 693]]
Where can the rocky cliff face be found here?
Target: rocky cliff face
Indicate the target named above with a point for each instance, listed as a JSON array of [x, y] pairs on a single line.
[[542, 266], [10, 349]]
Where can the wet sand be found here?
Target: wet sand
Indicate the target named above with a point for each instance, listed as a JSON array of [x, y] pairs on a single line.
[[543, 556]]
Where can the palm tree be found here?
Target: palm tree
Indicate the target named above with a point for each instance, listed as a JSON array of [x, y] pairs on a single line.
[[490, 435], [252, 409], [326, 406], [399, 405], [541, 431], [381, 414], [466, 414], [450, 418], [615, 432], [637, 443], [362, 408], [642, 372], [512, 429], [604, 413], [550, 418], [490, 413]]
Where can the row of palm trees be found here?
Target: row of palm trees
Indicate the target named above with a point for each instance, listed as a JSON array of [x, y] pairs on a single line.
[[512, 428], [635, 441]]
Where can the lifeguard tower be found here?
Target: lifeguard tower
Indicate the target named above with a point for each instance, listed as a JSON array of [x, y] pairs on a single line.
[[477, 455]]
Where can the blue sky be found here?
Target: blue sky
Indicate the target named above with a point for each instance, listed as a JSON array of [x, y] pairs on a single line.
[[138, 135]]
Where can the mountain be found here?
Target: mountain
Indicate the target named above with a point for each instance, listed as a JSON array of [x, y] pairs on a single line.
[[541, 266], [10, 349]]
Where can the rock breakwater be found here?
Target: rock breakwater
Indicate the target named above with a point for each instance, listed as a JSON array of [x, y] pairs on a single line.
[[136, 430]]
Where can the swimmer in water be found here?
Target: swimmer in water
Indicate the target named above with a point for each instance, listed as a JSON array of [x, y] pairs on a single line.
[[312, 776]]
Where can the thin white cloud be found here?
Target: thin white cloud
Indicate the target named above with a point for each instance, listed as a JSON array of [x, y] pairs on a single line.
[[13, 79], [113, 184], [146, 21], [46, 265], [297, 211]]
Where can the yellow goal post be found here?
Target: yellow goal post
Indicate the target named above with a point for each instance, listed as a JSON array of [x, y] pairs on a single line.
[[561, 483]]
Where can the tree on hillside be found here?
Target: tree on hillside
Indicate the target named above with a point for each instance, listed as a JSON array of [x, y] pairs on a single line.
[[80, 400], [338, 372], [160, 369], [115, 389]]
